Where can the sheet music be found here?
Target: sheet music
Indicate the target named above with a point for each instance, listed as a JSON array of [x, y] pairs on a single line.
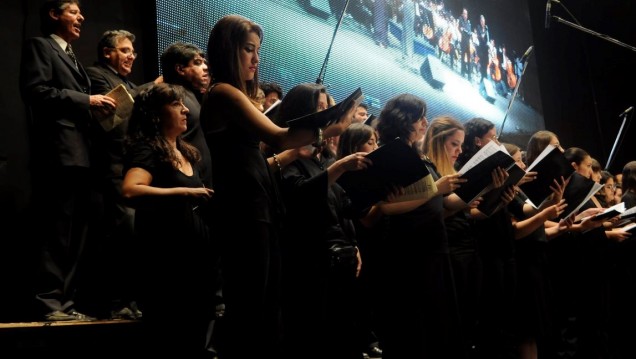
[[123, 111], [481, 155], [618, 208], [628, 212], [595, 188], [546, 151], [424, 188], [273, 106], [628, 227]]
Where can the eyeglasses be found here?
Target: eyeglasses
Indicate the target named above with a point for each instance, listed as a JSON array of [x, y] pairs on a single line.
[[126, 51]]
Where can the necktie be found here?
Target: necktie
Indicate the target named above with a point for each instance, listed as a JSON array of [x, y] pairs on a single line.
[[71, 55]]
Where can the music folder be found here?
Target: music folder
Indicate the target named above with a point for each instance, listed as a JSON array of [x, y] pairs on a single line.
[[578, 191], [330, 115], [492, 199], [393, 164], [122, 112], [478, 171], [551, 164], [629, 213]]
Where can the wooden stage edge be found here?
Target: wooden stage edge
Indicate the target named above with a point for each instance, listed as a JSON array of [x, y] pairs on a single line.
[[65, 323]]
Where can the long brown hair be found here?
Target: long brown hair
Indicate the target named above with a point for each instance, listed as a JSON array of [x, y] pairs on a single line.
[[224, 46], [537, 143]]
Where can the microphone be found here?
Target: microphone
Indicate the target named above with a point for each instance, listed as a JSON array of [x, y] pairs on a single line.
[[626, 111], [548, 7], [527, 53]]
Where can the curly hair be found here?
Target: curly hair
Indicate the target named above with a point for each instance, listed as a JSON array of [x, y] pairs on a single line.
[[398, 116], [146, 123]]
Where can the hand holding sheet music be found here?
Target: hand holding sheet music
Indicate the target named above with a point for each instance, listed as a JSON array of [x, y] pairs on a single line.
[[341, 112], [394, 165], [550, 165], [478, 171], [122, 112], [578, 192]]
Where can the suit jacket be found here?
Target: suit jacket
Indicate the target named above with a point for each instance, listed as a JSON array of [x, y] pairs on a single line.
[[58, 97], [107, 147]]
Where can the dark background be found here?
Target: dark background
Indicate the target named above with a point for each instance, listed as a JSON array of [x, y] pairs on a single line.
[[585, 83]]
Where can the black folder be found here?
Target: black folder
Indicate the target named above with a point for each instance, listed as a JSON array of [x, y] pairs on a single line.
[[394, 164], [578, 191], [330, 115], [492, 199], [551, 167], [480, 176]]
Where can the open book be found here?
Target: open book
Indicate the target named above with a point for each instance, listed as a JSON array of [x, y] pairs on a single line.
[[629, 228], [478, 171], [610, 212], [395, 164], [578, 191], [330, 115], [629, 213], [492, 199], [123, 111], [549, 165], [272, 111]]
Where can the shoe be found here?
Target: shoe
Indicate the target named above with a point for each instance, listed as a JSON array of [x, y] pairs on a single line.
[[72, 315], [374, 352], [80, 317], [58, 316], [124, 313]]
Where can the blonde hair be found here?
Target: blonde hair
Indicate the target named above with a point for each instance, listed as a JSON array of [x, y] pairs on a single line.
[[433, 146]]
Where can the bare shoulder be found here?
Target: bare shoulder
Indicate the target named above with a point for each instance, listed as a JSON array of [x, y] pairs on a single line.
[[224, 90]]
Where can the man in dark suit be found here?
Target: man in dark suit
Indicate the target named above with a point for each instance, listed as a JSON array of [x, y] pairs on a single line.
[[115, 257], [56, 90]]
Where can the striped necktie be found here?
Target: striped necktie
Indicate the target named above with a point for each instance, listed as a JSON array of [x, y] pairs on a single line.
[[71, 55]]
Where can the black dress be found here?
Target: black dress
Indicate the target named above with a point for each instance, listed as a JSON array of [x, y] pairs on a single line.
[[533, 309], [319, 303], [175, 257], [245, 193], [419, 317]]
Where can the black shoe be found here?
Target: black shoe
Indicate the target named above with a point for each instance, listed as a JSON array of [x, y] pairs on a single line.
[[374, 352]]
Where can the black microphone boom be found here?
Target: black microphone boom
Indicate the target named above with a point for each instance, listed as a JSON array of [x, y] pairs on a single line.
[[626, 111], [548, 7], [323, 69]]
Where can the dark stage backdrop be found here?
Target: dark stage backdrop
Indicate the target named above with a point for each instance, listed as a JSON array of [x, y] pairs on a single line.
[[297, 36]]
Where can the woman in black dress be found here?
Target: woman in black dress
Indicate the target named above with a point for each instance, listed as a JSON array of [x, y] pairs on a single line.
[[163, 183], [245, 189], [419, 317]]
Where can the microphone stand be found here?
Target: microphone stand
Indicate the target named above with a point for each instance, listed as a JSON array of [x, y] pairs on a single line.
[[597, 34], [617, 140], [612, 40], [321, 75], [514, 95]]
